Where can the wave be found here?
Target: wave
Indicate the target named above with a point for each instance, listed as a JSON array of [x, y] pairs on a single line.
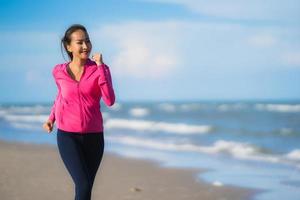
[[234, 149], [145, 125], [185, 107], [294, 155], [25, 118], [190, 107], [168, 107], [27, 126], [2, 113], [25, 109], [139, 112], [228, 107], [278, 107]]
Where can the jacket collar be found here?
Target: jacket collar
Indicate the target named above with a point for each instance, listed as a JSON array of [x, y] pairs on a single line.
[[88, 63]]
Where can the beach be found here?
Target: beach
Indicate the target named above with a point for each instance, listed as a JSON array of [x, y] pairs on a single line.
[[36, 171]]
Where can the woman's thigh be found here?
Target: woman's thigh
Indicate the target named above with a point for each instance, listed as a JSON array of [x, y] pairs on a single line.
[[93, 148], [73, 156]]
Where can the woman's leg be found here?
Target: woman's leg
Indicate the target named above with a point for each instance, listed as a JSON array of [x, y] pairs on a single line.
[[74, 150], [93, 148]]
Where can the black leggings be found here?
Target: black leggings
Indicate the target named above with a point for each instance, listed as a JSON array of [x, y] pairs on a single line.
[[82, 155]]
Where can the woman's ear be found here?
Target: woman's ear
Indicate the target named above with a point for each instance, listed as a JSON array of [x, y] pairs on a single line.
[[69, 48]]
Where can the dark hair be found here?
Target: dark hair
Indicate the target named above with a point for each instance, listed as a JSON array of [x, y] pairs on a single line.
[[67, 37]]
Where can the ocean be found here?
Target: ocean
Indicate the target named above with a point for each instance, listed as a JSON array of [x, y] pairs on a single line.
[[251, 144]]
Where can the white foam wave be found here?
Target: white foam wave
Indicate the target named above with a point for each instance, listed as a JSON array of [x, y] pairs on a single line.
[[237, 150], [227, 107], [217, 183], [278, 107], [19, 125], [139, 112], [3, 112], [240, 150], [141, 142], [221, 146], [294, 155], [25, 118], [190, 107], [25, 109], [144, 125]]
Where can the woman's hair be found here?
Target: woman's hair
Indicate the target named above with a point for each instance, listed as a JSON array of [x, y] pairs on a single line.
[[66, 40]]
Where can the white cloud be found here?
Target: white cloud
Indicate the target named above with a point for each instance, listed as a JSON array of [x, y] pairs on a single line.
[[144, 49], [263, 40], [156, 49], [291, 58]]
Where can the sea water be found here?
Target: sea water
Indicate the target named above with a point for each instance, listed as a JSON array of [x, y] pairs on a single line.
[[251, 144]]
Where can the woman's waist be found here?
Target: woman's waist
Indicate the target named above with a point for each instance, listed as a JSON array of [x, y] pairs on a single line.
[[60, 130]]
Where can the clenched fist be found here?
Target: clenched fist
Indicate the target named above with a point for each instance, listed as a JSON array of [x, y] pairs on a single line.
[[48, 126], [97, 57]]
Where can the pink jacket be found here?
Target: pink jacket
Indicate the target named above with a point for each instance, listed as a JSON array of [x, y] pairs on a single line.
[[77, 104]]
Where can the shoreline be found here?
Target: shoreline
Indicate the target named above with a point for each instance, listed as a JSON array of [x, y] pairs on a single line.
[[36, 171]]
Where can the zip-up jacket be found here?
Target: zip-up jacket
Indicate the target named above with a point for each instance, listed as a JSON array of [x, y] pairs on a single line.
[[76, 107]]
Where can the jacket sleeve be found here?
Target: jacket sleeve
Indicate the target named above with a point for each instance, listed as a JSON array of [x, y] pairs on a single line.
[[105, 84], [58, 96]]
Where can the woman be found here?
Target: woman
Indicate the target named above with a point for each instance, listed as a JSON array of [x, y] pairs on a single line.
[[81, 83]]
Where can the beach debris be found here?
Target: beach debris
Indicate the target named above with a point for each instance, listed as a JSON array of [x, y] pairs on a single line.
[[135, 189], [217, 183]]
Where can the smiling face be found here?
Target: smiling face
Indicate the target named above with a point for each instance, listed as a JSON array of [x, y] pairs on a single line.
[[80, 45]]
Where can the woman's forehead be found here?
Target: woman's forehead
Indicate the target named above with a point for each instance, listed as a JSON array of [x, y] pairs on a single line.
[[79, 35]]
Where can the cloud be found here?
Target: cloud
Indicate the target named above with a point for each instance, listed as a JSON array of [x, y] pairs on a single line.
[[144, 49], [157, 49], [263, 40], [291, 58], [242, 9]]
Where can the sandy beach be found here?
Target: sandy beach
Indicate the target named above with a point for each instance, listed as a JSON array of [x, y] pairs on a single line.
[[31, 171]]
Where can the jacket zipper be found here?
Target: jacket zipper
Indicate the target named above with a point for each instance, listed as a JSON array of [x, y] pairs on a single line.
[[79, 96], [80, 105]]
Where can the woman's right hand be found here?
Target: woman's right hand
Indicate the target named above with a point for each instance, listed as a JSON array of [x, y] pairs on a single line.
[[48, 126]]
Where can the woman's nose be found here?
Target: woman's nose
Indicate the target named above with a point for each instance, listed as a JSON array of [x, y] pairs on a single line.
[[84, 45]]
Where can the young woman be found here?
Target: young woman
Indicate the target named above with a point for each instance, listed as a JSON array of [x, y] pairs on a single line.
[[81, 83]]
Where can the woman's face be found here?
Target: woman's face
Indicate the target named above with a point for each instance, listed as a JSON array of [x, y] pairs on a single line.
[[80, 45]]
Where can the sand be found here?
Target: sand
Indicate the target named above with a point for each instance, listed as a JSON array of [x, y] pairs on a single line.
[[34, 172]]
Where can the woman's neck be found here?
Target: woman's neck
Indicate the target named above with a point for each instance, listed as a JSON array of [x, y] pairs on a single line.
[[78, 63]]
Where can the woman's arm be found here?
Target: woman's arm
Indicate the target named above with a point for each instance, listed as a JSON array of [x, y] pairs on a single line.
[[52, 117], [105, 84]]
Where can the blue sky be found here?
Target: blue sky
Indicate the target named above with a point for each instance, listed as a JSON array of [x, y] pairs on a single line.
[[158, 49]]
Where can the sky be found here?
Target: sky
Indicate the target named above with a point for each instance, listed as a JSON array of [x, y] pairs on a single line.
[[158, 50]]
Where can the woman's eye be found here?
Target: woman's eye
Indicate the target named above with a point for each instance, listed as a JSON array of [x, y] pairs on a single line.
[[88, 41]]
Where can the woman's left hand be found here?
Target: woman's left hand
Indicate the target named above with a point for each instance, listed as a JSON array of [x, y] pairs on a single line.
[[97, 57]]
